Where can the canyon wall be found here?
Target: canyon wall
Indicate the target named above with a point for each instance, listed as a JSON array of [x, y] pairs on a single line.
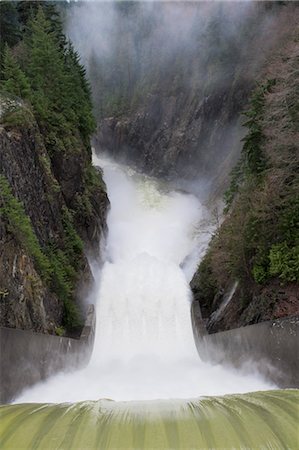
[[180, 76], [41, 221], [254, 255]]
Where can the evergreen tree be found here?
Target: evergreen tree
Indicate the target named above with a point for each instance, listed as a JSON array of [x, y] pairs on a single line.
[[14, 81], [53, 80], [46, 72], [79, 93], [28, 10], [9, 25]]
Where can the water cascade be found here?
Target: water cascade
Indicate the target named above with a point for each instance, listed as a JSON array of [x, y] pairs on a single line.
[[144, 355], [144, 346]]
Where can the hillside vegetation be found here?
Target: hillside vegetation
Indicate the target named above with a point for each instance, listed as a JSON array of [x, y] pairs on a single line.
[[258, 242], [52, 200]]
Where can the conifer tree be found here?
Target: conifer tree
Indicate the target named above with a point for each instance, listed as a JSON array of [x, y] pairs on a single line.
[[28, 10], [79, 93], [46, 72], [9, 25], [14, 81]]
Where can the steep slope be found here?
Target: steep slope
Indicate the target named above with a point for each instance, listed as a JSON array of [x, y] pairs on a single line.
[[44, 273], [254, 255], [53, 202]]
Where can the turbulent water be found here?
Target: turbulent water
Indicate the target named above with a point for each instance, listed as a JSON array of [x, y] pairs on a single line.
[[144, 346]]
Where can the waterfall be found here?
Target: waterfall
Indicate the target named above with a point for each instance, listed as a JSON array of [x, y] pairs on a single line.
[[144, 346]]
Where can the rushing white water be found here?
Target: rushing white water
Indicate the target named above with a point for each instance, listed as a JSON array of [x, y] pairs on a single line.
[[144, 346]]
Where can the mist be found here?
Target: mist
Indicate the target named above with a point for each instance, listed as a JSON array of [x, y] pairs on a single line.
[[141, 58], [170, 80], [144, 346]]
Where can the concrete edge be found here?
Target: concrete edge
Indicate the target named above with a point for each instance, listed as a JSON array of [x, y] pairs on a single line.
[[28, 357], [270, 348]]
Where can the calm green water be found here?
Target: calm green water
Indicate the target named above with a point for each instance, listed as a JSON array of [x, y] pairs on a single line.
[[259, 420]]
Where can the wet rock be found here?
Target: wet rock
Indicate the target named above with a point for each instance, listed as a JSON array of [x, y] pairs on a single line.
[[46, 187]]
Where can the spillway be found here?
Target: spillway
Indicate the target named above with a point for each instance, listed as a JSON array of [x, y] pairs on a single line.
[[144, 346], [145, 386], [261, 420]]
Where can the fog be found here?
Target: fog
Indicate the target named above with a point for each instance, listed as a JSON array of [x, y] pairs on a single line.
[[170, 69]]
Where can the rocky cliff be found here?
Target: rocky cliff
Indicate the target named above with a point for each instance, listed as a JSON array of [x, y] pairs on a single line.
[[251, 270], [52, 213], [53, 202], [183, 121], [179, 135], [181, 117]]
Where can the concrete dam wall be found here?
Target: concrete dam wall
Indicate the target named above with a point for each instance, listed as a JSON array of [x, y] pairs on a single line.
[[271, 347], [28, 357]]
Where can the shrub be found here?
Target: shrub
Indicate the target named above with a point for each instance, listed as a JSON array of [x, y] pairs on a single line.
[[18, 117], [56, 267], [20, 226], [260, 273], [284, 261]]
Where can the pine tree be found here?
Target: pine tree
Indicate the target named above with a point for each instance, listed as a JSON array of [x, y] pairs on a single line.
[[14, 80], [79, 93], [28, 10], [9, 25], [46, 72]]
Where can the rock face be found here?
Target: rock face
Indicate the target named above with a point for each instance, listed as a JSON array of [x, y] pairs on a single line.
[[179, 136], [48, 190], [25, 301], [190, 130], [257, 244], [181, 117], [271, 302]]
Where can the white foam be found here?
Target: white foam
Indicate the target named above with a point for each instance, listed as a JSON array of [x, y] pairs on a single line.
[[144, 345]]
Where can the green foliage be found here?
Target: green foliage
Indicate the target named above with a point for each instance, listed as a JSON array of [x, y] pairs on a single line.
[[56, 267], [61, 96], [27, 11], [237, 177], [62, 282], [254, 158], [60, 331], [65, 264], [17, 116], [252, 161], [260, 274], [9, 25], [93, 182], [73, 244], [259, 238], [205, 282], [284, 261], [20, 226], [93, 178], [14, 81], [45, 71], [50, 76], [80, 103]]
